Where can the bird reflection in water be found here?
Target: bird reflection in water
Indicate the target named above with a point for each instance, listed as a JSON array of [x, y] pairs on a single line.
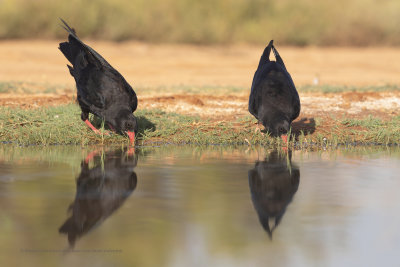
[[273, 183], [101, 189]]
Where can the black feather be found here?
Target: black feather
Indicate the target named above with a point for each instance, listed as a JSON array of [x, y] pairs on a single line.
[[273, 99], [101, 90]]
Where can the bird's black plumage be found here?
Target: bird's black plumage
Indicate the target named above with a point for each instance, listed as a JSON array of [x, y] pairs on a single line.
[[101, 90], [273, 100]]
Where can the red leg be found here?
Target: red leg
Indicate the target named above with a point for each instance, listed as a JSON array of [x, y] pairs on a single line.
[[94, 128]]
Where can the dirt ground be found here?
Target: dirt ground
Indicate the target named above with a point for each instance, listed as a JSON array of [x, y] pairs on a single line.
[[151, 66]]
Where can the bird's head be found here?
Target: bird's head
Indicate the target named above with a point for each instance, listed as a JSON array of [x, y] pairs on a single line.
[[126, 123]]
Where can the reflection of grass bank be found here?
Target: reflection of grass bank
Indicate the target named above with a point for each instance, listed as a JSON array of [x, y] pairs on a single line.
[[62, 125]]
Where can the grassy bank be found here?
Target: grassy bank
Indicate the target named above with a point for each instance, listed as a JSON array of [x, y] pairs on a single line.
[[62, 125], [301, 22]]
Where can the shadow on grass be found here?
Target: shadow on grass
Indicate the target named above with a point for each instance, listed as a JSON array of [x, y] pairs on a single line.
[[305, 125], [144, 125]]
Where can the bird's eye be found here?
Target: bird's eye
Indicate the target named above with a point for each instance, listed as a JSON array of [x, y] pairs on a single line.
[[128, 125]]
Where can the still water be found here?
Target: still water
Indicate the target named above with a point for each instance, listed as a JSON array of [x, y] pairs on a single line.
[[191, 206]]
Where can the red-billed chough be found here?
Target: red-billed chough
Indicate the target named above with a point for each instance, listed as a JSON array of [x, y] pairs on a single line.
[[273, 100], [101, 90]]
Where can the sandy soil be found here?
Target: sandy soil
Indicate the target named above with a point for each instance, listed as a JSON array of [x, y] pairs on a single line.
[[149, 65]]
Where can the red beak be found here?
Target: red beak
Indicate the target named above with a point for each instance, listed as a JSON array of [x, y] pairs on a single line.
[[284, 138], [131, 137]]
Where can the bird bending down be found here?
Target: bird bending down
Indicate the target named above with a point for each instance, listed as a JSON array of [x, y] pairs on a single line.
[[101, 90], [273, 99]]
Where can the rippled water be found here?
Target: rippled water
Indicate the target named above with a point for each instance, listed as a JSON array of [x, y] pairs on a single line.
[[191, 206]]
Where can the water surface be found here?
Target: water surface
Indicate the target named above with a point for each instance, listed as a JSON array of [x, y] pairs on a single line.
[[191, 206]]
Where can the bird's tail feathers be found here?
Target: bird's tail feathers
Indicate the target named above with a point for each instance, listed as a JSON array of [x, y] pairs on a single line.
[[74, 46], [68, 28], [278, 57], [267, 51]]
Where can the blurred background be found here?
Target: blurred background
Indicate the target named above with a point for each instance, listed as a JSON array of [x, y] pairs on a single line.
[[292, 22], [188, 47]]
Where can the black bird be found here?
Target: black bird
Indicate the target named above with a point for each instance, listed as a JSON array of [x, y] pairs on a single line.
[[273, 184], [273, 100], [101, 90]]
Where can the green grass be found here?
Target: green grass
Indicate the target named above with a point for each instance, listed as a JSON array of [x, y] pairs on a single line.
[[376, 130], [294, 22], [183, 129], [369, 122], [47, 126], [62, 125]]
